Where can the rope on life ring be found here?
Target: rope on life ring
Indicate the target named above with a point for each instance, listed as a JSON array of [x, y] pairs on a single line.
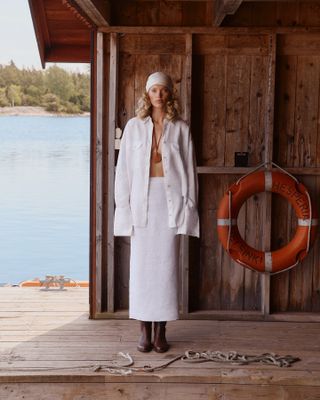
[[288, 187]]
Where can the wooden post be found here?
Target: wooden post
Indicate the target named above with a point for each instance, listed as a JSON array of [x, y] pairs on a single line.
[[98, 171], [113, 89], [265, 284], [184, 241]]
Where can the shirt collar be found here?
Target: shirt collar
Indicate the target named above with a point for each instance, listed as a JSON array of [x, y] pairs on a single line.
[[149, 119]]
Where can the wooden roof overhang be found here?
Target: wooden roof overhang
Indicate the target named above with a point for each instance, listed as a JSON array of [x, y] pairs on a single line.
[[63, 27], [62, 30]]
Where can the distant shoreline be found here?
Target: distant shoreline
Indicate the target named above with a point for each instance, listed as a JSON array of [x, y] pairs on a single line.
[[36, 112]]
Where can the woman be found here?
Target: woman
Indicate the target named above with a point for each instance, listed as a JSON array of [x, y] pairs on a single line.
[[156, 191]]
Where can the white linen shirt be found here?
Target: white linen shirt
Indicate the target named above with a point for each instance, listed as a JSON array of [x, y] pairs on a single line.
[[133, 170]]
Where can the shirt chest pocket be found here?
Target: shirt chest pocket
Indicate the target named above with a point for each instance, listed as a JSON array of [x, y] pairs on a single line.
[[174, 147]]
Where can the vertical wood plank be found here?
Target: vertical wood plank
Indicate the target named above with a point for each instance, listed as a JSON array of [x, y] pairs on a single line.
[[210, 292], [257, 115], [113, 88], [92, 245], [184, 240], [316, 259], [126, 87], [256, 147], [285, 109], [237, 105], [301, 277], [99, 169], [268, 156], [187, 78], [284, 150], [237, 119], [306, 111], [214, 110]]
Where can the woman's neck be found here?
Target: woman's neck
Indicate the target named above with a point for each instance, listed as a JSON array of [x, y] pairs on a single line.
[[158, 115]]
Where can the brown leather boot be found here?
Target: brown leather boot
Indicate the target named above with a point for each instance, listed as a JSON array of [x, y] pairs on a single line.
[[160, 343], [145, 344]]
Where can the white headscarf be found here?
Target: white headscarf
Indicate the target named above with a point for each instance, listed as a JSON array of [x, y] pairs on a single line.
[[159, 78]]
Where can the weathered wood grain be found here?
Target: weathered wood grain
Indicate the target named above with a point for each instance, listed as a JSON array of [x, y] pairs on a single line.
[[99, 391], [306, 111], [214, 110], [152, 44], [237, 106]]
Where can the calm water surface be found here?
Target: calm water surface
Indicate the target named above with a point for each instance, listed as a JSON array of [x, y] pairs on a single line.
[[44, 197]]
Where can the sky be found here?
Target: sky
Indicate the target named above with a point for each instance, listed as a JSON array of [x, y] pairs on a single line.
[[17, 38]]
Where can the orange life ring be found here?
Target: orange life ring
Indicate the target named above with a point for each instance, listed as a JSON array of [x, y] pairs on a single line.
[[228, 232]]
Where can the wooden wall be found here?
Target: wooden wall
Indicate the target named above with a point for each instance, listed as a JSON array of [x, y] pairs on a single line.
[[202, 12], [276, 13], [241, 90]]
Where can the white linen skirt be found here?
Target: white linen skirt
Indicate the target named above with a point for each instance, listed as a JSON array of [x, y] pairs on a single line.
[[154, 258]]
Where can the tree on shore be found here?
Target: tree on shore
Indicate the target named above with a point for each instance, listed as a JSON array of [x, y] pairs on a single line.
[[54, 89]]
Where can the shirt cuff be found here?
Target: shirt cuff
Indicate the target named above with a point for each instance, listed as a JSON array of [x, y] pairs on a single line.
[[190, 224], [122, 221]]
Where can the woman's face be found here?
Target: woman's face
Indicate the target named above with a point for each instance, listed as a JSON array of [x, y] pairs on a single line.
[[158, 95]]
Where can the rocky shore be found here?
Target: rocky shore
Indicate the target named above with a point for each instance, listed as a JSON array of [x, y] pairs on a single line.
[[35, 111]]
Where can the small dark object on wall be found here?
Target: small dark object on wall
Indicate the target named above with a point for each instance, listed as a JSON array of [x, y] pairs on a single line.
[[241, 159]]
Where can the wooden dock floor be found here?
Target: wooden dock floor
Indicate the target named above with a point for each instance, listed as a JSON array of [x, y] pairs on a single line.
[[48, 348]]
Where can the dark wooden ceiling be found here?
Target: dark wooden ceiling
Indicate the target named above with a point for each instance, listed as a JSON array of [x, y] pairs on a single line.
[[63, 26], [63, 34]]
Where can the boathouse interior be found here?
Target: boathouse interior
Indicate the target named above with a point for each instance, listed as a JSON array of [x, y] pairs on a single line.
[[248, 75]]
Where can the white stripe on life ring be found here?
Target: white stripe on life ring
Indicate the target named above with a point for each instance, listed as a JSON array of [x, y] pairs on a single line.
[[268, 261], [268, 181], [226, 222], [305, 222]]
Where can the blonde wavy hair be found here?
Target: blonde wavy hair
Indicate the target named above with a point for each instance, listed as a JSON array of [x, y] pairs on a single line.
[[172, 107]]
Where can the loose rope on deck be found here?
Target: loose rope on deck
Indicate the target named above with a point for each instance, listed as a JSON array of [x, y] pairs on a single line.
[[190, 356]]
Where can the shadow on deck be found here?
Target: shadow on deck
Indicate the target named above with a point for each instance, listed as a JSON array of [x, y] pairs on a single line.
[[49, 350]]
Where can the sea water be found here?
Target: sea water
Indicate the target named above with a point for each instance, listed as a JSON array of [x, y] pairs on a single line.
[[44, 197]]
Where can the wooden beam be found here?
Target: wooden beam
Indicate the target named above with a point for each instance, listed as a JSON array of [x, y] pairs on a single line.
[[313, 171], [268, 155], [223, 8], [224, 30], [98, 167], [92, 216], [184, 240], [98, 11], [112, 119]]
